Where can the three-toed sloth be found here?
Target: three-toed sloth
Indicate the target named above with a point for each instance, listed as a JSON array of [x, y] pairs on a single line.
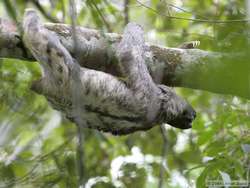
[[99, 100]]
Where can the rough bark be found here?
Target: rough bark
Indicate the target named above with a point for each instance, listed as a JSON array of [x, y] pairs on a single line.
[[191, 68]]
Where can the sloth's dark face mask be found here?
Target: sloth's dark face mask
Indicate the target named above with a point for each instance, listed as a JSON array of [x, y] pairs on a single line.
[[176, 111], [184, 119]]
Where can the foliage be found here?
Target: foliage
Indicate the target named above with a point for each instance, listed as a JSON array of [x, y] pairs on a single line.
[[38, 145]]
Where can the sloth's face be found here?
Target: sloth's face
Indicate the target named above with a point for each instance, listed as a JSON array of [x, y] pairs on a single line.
[[176, 111], [184, 118]]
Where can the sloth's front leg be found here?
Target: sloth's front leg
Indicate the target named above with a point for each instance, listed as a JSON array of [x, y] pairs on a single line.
[[161, 104], [131, 56]]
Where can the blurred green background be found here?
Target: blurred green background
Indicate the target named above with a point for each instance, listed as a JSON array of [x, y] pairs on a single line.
[[38, 145]]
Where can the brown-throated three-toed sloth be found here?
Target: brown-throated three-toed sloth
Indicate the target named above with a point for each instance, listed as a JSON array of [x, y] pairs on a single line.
[[99, 100]]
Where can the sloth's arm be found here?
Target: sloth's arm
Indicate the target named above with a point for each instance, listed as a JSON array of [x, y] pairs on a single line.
[[132, 60]]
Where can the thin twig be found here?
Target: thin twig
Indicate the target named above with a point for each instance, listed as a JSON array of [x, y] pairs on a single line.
[[101, 15], [192, 19], [184, 10], [76, 99], [31, 172], [21, 179], [53, 152], [73, 17], [80, 155], [126, 12], [44, 12], [163, 155]]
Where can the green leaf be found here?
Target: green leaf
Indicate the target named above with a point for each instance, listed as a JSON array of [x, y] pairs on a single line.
[[201, 180]]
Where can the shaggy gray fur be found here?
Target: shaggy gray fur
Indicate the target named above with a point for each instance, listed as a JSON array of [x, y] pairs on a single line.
[[99, 100]]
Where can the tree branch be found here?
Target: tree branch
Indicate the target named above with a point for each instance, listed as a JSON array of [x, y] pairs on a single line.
[[191, 68]]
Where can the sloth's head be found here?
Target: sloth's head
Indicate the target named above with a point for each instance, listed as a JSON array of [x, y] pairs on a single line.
[[175, 110]]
